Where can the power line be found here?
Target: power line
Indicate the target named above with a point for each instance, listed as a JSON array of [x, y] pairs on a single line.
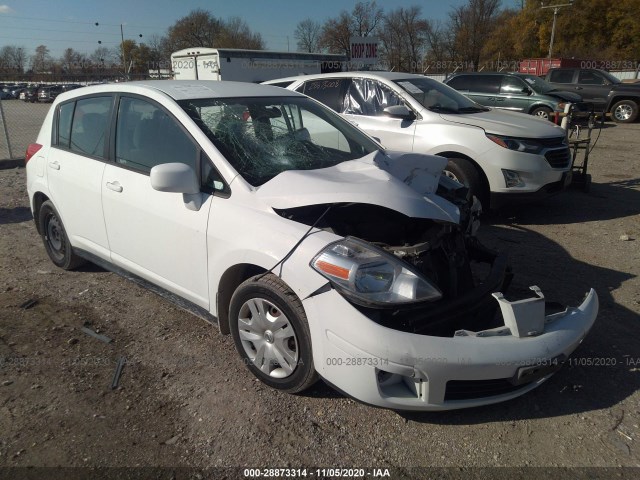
[[81, 23]]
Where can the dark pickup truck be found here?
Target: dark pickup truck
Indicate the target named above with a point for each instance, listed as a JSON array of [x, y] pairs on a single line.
[[607, 93]]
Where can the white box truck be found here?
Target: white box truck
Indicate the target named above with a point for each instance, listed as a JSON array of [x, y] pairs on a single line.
[[250, 65]]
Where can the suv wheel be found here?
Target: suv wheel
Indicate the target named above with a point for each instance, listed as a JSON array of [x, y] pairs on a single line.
[[542, 112], [624, 111], [270, 331], [56, 241], [463, 171]]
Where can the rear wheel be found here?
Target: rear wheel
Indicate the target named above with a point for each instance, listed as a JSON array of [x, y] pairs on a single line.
[[56, 241], [270, 331], [624, 111], [465, 172]]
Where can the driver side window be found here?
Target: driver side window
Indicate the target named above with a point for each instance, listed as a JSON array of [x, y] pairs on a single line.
[[368, 97]]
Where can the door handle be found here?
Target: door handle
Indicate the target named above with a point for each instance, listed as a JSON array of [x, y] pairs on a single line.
[[499, 99], [578, 88], [115, 186], [54, 165]]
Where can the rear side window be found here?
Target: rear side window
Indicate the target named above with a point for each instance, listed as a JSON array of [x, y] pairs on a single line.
[[561, 76], [460, 82], [368, 97], [330, 92], [485, 83], [65, 115], [89, 125], [146, 136], [282, 84]]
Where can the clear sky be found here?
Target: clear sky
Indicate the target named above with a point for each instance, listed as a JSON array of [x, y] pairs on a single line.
[[60, 24]]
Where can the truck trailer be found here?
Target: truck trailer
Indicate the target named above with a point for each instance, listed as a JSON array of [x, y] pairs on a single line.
[[255, 66]]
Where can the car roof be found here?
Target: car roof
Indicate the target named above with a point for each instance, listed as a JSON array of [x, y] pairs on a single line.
[[187, 89], [359, 74]]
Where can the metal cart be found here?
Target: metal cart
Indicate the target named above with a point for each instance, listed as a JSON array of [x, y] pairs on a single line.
[[581, 122]]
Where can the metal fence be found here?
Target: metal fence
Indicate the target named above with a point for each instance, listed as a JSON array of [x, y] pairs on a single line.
[[20, 124]]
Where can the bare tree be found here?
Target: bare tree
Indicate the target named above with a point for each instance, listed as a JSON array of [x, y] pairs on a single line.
[[366, 17], [472, 25], [404, 39], [307, 34], [363, 21], [198, 29], [235, 33], [41, 60], [13, 58]]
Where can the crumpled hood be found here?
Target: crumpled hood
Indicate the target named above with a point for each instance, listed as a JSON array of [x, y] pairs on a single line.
[[403, 182], [511, 124]]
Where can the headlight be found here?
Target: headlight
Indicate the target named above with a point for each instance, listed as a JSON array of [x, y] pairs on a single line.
[[368, 275], [518, 144]]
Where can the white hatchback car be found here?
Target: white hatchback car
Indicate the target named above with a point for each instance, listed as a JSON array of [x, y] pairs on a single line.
[[260, 210], [501, 156]]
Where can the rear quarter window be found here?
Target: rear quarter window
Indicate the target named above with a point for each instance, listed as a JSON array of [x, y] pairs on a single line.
[[561, 76]]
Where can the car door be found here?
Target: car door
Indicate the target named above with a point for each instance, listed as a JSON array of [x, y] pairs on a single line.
[[75, 166], [364, 103], [153, 234], [514, 95], [593, 87]]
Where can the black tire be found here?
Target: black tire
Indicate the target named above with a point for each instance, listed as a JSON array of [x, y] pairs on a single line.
[[56, 241], [624, 111], [465, 172], [542, 112], [272, 292]]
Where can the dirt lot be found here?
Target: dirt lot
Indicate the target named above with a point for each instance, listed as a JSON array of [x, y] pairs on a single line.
[[185, 398]]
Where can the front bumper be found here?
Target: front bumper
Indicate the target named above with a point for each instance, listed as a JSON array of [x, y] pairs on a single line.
[[399, 370]]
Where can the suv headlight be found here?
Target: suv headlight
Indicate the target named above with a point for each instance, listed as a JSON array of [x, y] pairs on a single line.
[[518, 144], [368, 275]]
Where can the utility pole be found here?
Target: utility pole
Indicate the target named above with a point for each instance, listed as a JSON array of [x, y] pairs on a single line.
[[556, 9]]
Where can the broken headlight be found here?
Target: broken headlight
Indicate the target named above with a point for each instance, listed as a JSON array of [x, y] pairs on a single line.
[[369, 275]]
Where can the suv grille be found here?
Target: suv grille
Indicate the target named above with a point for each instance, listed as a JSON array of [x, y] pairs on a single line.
[[559, 158]]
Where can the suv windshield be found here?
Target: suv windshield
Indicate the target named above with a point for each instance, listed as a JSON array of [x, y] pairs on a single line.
[[538, 84], [438, 97], [264, 136]]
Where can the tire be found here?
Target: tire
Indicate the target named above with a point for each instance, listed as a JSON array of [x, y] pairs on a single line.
[[542, 112], [56, 241], [624, 111], [465, 172], [271, 334]]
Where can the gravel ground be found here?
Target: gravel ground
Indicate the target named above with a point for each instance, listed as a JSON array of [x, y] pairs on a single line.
[[185, 398]]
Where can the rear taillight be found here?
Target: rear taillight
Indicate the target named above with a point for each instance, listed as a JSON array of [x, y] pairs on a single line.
[[32, 149]]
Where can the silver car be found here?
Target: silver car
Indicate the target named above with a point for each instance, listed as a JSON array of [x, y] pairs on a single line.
[[500, 156]]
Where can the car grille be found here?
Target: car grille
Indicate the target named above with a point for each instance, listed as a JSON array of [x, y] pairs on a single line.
[[472, 389], [559, 158], [551, 142]]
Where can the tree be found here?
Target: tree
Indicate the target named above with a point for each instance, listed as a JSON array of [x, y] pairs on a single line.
[[472, 25], [404, 39], [13, 58], [307, 34], [235, 33], [41, 60], [363, 21]]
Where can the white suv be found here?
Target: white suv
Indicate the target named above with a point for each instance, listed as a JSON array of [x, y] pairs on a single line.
[[501, 156], [260, 210]]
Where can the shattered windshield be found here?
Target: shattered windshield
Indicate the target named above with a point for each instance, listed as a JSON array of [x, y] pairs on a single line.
[[264, 136], [438, 97]]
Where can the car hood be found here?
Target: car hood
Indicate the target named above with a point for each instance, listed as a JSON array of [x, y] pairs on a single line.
[[563, 95], [405, 183], [511, 124]]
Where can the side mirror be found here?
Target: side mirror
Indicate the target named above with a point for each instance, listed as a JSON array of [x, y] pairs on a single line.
[[399, 111], [178, 178]]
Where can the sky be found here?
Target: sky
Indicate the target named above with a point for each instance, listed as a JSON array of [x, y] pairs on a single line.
[[60, 24]]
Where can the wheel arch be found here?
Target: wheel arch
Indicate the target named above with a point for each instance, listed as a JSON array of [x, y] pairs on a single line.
[[229, 282], [619, 98], [38, 199], [535, 106], [453, 154]]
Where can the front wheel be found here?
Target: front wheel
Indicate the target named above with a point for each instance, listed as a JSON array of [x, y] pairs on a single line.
[[56, 241], [542, 112], [624, 111], [270, 331], [463, 171]]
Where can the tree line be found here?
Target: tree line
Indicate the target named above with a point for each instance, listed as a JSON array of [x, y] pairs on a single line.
[[480, 34]]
